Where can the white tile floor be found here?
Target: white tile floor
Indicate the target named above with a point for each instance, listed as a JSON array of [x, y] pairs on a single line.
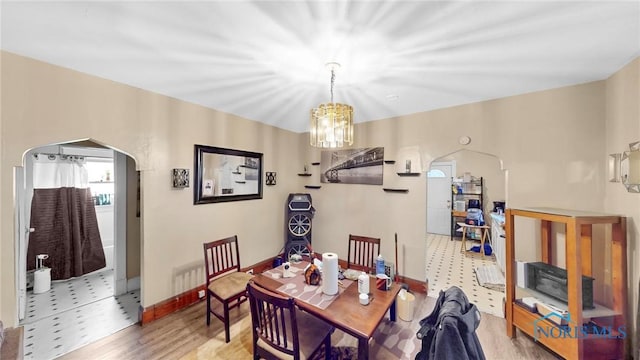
[[447, 266], [74, 313]]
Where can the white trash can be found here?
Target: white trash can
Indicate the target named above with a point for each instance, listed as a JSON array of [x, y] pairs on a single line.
[[405, 306], [42, 280]]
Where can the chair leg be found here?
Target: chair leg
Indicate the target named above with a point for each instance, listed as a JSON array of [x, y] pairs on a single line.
[[327, 347], [208, 308], [227, 336]]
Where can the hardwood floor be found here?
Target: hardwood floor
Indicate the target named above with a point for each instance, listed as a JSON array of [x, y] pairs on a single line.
[[170, 337], [173, 336]]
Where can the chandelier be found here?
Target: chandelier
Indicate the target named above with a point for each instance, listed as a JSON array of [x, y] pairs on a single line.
[[331, 123]]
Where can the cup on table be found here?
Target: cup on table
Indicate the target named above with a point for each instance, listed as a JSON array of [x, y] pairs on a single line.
[[364, 299], [383, 282]]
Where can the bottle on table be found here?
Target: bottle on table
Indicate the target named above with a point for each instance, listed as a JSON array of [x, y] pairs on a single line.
[[380, 265]]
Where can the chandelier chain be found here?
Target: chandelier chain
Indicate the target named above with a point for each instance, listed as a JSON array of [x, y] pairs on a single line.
[[333, 79]]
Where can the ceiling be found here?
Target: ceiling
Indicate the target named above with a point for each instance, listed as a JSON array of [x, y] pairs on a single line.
[[264, 60]]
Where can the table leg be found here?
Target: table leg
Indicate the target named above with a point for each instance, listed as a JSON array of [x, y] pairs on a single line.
[[484, 237], [363, 349], [392, 311]]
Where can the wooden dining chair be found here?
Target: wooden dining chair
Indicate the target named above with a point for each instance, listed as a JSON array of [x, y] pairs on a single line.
[[282, 331], [362, 253], [225, 282]]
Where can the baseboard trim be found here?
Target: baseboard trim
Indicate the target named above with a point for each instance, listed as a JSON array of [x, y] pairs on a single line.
[[415, 285], [190, 297], [166, 307], [260, 267], [133, 284]]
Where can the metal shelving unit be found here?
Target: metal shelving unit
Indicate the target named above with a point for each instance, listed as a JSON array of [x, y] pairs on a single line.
[[473, 189]]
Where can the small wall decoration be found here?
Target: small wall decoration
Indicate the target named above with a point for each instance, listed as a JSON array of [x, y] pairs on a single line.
[[180, 178], [614, 167], [353, 166], [270, 178]]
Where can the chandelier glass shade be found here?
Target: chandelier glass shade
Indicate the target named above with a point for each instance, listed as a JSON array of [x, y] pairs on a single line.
[[331, 123]]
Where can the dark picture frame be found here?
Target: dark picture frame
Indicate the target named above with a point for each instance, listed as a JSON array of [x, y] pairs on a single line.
[[223, 175]]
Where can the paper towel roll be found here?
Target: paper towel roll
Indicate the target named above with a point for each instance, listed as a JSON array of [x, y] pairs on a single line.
[[41, 280], [330, 273]]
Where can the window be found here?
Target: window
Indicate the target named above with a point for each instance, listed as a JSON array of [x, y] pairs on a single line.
[[435, 173]]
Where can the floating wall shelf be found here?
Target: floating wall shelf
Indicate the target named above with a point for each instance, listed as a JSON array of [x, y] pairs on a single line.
[[312, 186], [408, 174], [396, 190], [315, 163], [389, 161], [305, 174]]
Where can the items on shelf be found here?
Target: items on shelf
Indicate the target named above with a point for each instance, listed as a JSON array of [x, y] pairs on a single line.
[[474, 217], [102, 199], [552, 281], [467, 196]]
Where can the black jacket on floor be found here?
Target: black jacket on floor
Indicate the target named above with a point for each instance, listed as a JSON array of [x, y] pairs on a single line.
[[449, 331]]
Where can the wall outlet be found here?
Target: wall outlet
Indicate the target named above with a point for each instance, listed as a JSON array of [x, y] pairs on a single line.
[[250, 271], [201, 294]]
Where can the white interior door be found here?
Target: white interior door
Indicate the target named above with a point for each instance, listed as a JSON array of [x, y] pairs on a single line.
[[439, 198]]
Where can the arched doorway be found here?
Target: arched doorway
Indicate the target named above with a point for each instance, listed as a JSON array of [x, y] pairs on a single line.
[[446, 264], [82, 307]]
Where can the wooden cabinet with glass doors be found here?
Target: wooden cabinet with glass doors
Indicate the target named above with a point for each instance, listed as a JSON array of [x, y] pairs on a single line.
[[573, 340]]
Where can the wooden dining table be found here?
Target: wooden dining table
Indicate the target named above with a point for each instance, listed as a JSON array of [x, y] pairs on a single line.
[[345, 312]]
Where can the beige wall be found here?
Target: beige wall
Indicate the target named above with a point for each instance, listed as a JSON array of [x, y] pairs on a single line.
[[622, 128], [48, 104]]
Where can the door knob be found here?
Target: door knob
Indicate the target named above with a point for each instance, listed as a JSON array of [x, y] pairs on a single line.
[[30, 230]]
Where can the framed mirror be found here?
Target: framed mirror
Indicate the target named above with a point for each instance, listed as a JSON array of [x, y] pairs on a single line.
[[630, 168], [226, 175]]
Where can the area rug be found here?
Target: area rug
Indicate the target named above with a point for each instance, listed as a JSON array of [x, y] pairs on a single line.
[[392, 340], [447, 266], [490, 276]]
